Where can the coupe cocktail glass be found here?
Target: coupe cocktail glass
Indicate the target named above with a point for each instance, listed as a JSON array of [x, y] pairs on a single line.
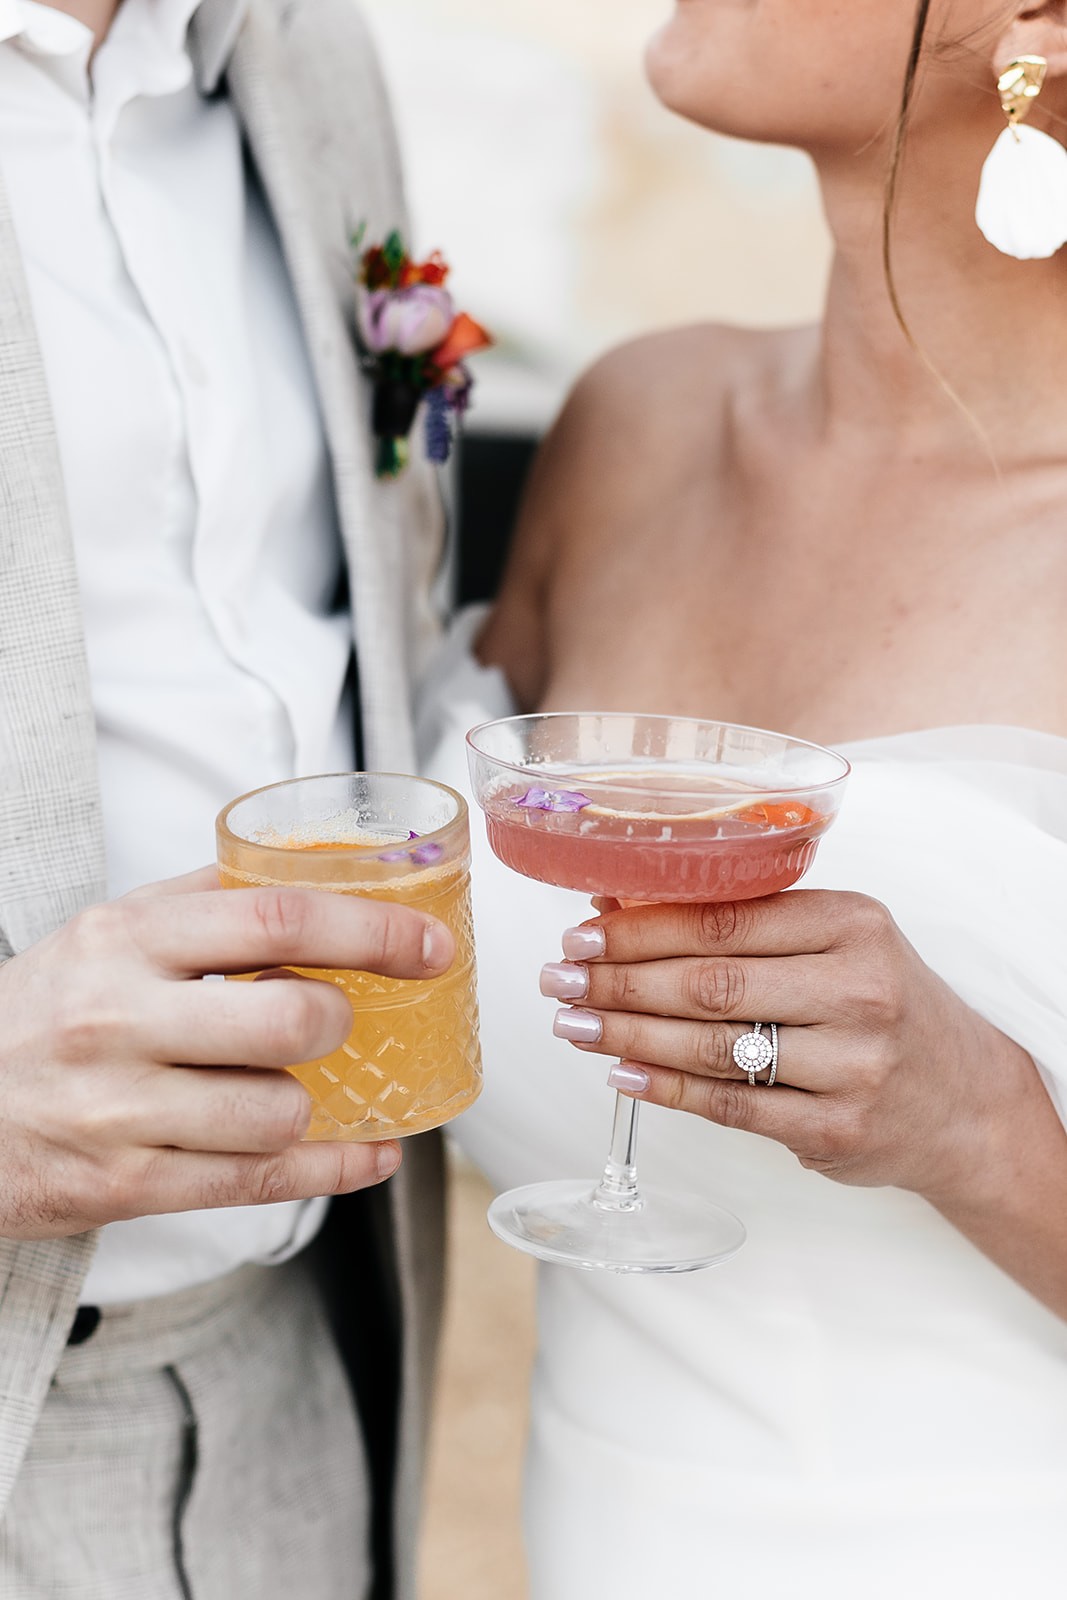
[[643, 809]]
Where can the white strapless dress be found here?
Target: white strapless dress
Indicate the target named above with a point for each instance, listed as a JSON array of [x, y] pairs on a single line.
[[859, 1406]]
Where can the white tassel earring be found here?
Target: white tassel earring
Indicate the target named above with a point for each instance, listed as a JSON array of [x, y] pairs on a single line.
[[1022, 198]]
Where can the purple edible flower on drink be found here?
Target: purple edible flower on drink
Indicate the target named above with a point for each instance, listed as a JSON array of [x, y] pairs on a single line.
[[423, 855], [399, 855], [552, 800]]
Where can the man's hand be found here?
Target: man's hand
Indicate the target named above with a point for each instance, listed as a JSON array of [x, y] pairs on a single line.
[[106, 1109]]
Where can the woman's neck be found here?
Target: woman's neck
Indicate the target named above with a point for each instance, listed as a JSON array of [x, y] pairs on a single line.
[[989, 350]]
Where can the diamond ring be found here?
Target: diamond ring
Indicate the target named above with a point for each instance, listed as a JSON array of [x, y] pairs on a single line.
[[757, 1052]]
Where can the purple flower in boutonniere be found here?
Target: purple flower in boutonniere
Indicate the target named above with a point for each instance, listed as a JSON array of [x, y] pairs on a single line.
[[409, 321], [415, 344]]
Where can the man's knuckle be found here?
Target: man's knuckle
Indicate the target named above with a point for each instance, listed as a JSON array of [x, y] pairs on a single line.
[[351, 1171], [94, 932], [292, 1113], [86, 1024], [282, 915], [94, 1120], [68, 1026], [391, 934], [395, 936], [119, 1190], [289, 1030], [267, 1110], [271, 1179]]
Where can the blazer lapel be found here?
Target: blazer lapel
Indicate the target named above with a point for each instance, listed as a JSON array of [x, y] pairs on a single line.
[[311, 149], [51, 839], [319, 129]]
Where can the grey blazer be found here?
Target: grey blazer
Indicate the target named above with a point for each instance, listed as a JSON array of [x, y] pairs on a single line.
[[303, 79]]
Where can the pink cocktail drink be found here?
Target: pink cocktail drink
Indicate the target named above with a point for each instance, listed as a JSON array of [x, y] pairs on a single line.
[[604, 847]]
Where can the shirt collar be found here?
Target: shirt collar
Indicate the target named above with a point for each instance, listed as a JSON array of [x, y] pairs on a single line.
[[42, 28], [214, 26]]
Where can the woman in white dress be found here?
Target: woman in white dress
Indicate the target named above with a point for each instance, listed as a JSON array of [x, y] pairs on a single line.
[[858, 535]]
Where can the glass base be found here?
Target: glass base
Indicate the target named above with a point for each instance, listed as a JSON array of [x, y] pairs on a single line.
[[563, 1222], [371, 1129]]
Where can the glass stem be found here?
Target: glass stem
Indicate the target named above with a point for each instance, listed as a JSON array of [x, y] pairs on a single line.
[[618, 1190]]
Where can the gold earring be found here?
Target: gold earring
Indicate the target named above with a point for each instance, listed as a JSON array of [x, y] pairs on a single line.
[[1022, 196], [1019, 86]]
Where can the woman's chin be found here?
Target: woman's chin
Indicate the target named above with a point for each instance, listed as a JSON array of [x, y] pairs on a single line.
[[697, 86], [670, 69]]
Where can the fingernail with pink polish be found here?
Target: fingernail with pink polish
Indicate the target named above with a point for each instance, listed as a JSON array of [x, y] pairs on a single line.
[[631, 1079], [562, 980], [583, 944], [580, 1027]]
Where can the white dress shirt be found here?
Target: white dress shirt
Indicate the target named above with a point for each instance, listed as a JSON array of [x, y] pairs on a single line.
[[196, 473]]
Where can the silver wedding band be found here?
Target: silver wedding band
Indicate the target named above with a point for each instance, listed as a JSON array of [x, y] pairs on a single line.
[[757, 1052]]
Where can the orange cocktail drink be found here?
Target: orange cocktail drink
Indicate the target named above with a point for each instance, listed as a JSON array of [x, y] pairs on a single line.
[[412, 1060]]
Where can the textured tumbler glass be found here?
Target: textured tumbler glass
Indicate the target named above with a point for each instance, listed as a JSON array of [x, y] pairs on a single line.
[[412, 1060]]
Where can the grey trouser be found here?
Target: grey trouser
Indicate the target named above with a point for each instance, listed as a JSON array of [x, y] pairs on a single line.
[[202, 1446]]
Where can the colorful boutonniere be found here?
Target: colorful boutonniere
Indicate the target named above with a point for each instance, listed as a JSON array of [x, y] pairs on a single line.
[[415, 346]]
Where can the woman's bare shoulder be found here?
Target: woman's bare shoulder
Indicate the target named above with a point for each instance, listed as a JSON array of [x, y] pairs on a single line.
[[648, 411], [649, 416], [674, 382], [703, 358]]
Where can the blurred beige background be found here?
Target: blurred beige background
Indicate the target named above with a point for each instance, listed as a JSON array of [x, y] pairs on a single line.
[[575, 213]]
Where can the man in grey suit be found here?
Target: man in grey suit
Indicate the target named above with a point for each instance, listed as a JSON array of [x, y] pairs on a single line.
[[208, 1388]]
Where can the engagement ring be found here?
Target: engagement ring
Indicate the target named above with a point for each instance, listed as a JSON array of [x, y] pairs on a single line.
[[757, 1052]]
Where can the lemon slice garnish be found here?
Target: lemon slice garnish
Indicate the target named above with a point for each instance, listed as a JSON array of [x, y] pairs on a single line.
[[630, 779]]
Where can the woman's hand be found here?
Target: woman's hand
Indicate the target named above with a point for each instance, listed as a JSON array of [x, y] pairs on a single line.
[[884, 1076]]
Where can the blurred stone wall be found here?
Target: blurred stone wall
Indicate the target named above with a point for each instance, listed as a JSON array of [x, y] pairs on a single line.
[[575, 210]]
